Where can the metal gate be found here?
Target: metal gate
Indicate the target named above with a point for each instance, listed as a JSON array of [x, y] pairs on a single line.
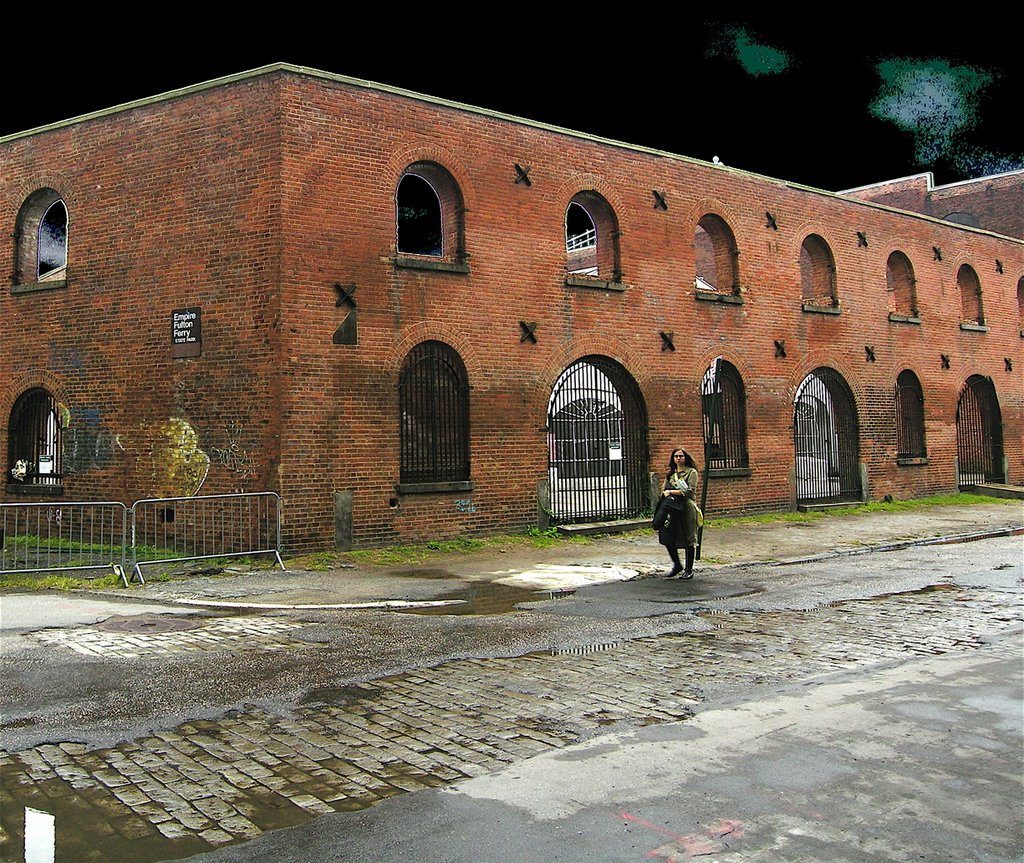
[[597, 444], [979, 433], [826, 439]]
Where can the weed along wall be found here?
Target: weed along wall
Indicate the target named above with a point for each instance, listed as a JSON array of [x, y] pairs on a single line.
[[418, 320]]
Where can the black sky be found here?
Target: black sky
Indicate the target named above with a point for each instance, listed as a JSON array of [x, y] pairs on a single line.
[[783, 98]]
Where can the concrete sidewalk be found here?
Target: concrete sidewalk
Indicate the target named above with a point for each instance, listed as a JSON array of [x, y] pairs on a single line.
[[444, 579]]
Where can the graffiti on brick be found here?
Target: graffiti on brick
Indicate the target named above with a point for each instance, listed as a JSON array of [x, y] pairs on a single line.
[[169, 460], [235, 457], [466, 505], [88, 443]]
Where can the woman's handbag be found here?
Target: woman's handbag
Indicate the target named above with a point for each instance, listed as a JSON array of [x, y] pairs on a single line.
[[660, 515], [668, 504]]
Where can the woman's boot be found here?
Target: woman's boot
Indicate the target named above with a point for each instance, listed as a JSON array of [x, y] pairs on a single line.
[[677, 567], [690, 552]]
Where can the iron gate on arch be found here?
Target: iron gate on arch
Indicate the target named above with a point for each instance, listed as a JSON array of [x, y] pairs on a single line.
[[597, 444], [826, 439], [979, 433]]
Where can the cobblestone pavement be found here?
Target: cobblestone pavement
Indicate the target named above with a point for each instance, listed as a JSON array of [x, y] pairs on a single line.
[[206, 783], [219, 633]]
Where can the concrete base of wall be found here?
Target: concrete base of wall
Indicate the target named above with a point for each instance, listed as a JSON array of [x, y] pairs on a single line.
[[620, 526], [343, 520], [996, 489]]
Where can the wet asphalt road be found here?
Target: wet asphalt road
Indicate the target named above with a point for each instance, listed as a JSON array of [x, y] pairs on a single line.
[[99, 700]]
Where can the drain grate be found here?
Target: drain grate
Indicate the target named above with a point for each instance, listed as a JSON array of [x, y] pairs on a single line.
[[148, 624]]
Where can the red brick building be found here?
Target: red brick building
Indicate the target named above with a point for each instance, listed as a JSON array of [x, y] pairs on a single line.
[[413, 318]]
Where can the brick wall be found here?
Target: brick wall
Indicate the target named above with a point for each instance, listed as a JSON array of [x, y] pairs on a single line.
[[993, 203], [253, 199], [171, 205]]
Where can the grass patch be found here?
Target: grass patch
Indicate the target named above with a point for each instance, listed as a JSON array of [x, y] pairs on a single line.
[[962, 499], [32, 581]]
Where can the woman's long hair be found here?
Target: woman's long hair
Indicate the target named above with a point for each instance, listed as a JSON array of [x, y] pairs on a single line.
[[687, 460]]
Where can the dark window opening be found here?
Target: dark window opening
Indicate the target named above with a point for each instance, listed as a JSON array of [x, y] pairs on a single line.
[[909, 416], [420, 230], [724, 408], [34, 453], [433, 394]]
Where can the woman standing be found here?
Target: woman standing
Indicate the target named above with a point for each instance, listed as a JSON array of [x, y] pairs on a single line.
[[680, 530]]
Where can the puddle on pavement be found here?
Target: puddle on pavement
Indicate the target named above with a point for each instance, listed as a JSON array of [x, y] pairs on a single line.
[[487, 597]]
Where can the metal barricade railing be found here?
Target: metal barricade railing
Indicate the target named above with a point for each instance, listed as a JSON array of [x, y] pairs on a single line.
[[64, 536], [176, 529]]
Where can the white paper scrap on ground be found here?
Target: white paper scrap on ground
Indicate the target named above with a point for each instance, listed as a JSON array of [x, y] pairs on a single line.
[[553, 576], [40, 836]]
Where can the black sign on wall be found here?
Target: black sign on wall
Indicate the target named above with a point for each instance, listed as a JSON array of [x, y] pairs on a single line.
[[186, 333]]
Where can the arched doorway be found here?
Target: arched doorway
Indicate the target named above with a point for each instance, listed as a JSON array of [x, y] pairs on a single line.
[[597, 444], [826, 439], [979, 434]]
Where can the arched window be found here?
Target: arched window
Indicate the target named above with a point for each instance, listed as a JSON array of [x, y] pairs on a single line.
[[598, 469], [962, 218], [971, 311], [826, 435], [419, 218], [716, 256], [979, 434], [34, 453], [724, 406], [433, 396], [591, 238], [909, 417], [817, 273], [900, 284], [42, 238], [429, 213]]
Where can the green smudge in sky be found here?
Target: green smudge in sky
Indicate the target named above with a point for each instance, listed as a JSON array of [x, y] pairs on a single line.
[[757, 59]]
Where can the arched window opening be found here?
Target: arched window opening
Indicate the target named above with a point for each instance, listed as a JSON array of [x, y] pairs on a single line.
[[580, 241], [900, 285], [433, 395], [817, 273], [429, 214], [52, 248], [591, 238], [41, 234], [909, 417], [971, 311], [420, 230], [716, 256], [979, 434], [34, 452], [826, 439], [597, 444], [963, 218], [724, 407]]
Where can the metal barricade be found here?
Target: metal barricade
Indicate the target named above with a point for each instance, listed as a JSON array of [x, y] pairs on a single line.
[[177, 529], [64, 536]]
